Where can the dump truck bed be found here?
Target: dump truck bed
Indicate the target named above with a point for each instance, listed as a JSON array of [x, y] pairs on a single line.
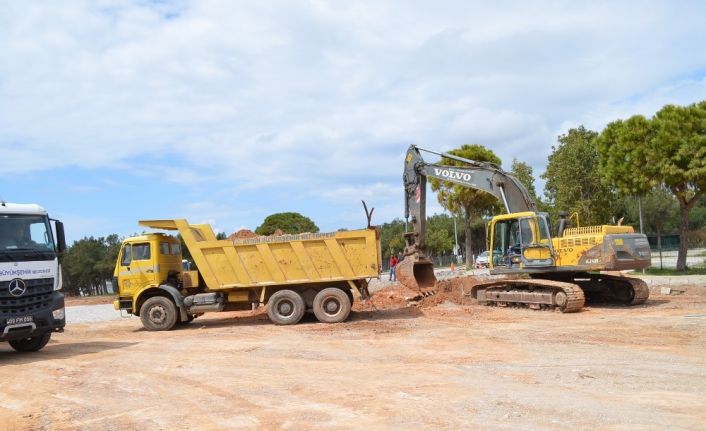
[[278, 260]]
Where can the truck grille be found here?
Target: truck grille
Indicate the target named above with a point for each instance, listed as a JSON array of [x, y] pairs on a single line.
[[37, 297]]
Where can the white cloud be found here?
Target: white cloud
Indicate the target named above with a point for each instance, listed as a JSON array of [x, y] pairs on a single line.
[[257, 96]]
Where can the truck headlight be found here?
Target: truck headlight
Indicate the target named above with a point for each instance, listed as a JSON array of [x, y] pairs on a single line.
[[58, 314]]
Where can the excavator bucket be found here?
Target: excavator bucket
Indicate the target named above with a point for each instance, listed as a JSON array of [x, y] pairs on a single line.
[[416, 273]]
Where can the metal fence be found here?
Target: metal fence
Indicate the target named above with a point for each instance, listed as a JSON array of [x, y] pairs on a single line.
[[669, 242], [441, 260]]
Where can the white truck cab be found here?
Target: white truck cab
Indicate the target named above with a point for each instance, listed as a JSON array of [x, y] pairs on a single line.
[[31, 306]]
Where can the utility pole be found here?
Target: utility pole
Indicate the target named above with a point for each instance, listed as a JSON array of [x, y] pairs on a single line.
[[639, 209], [455, 238]]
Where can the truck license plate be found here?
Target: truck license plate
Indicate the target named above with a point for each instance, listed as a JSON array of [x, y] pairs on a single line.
[[19, 320]]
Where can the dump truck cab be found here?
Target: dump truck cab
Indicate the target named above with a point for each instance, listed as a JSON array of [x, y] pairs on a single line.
[[147, 264]]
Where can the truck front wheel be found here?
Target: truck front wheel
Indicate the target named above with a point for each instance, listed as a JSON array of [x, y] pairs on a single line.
[[285, 307], [158, 314], [332, 305], [31, 344]]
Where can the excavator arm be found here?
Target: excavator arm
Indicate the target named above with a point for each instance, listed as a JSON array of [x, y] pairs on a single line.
[[416, 270]]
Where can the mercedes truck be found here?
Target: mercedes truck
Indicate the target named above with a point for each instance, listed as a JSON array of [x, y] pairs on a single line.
[[31, 306]]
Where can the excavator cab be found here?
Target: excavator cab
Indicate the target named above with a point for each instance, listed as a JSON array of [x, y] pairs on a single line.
[[522, 239]]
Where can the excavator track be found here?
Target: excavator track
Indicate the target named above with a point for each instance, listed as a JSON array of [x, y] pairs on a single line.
[[642, 291], [612, 289], [537, 294]]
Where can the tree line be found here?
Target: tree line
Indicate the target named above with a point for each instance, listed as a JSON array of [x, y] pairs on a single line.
[[657, 163]]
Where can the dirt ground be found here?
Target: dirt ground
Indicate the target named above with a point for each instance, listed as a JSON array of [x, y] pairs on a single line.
[[445, 363], [71, 301]]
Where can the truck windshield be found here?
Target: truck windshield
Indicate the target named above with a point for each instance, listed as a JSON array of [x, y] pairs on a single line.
[[25, 232]]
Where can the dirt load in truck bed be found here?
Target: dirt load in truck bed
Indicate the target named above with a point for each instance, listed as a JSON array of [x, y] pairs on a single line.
[[443, 363]]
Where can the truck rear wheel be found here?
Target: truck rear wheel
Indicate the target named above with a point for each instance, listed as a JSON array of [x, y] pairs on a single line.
[[285, 307], [332, 305], [158, 314], [31, 344]]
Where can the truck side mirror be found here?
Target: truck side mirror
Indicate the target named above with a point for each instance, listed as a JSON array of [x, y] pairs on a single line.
[[60, 237]]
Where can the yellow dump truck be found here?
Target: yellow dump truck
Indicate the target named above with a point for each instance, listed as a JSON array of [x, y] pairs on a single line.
[[291, 274]]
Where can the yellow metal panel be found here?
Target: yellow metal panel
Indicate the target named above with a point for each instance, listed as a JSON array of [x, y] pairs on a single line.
[[374, 243], [288, 262], [303, 257], [357, 253], [238, 296], [538, 253], [343, 265], [585, 230], [192, 239], [618, 229], [275, 274], [252, 260], [219, 266], [321, 259], [159, 224], [206, 231], [241, 272], [514, 215]]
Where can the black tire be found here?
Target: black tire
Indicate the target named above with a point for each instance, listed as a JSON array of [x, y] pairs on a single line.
[[285, 307], [158, 314], [349, 292], [332, 305], [31, 344]]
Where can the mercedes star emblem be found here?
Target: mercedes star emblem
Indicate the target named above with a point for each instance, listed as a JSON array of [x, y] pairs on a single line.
[[17, 287]]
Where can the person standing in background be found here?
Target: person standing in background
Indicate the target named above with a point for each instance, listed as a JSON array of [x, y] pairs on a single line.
[[393, 265]]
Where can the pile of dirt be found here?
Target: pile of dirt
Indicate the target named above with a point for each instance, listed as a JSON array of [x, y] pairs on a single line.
[[455, 290], [394, 296], [247, 233], [243, 233]]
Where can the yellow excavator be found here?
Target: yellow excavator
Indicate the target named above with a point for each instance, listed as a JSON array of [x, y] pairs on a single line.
[[538, 270]]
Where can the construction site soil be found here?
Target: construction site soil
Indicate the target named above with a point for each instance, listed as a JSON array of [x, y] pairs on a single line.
[[443, 362]]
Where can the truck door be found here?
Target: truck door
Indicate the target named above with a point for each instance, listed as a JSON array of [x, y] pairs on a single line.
[[136, 268]]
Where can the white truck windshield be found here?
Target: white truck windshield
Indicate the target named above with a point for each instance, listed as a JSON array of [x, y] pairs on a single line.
[[25, 232]]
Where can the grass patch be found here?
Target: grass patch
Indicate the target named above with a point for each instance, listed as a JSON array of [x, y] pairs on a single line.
[[694, 270]]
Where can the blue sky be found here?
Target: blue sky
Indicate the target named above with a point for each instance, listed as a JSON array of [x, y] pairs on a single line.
[[226, 112]]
